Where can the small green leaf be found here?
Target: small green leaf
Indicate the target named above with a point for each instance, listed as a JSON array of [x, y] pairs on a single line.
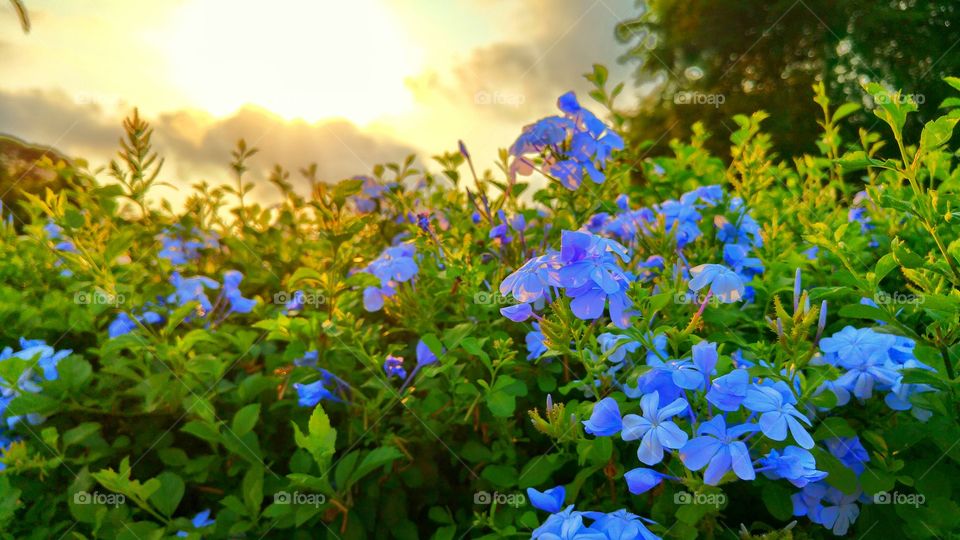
[[167, 497], [245, 419]]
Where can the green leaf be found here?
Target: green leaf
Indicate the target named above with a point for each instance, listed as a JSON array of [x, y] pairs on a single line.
[[245, 419], [776, 498], [320, 440], [838, 475], [167, 497], [253, 489], [433, 344], [344, 469], [845, 110], [79, 433], [884, 266], [304, 274], [375, 459], [202, 430], [874, 481], [953, 81], [502, 398], [937, 132], [833, 427], [503, 476]]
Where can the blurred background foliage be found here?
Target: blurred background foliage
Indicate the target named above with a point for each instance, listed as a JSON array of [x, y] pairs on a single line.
[[766, 54]]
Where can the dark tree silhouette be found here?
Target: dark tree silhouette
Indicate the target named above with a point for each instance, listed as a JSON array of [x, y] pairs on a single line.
[[708, 60]]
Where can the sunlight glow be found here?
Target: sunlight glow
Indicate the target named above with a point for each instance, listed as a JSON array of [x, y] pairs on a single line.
[[308, 59]]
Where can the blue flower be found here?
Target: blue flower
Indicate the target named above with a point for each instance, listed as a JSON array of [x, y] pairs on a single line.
[[863, 375], [899, 397], [295, 303], [566, 525], [199, 521], [724, 283], [795, 465], [575, 145], [849, 451], [517, 312], [533, 280], [852, 345], [231, 290], [655, 428], [425, 356], [653, 266], [641, 480], [192, 289], [728, 391], [124, 324], [550, 500], [394, 264], [393, 367], [807, 502], [776, 416], [617, 345], [719, 449], [840, 512], [313, 393], [43, 356], [501, 232], [620, 525], [309, 359], [536, 345], [605, 419]]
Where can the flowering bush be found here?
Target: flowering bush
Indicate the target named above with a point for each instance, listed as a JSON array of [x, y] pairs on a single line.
[[680, 347]]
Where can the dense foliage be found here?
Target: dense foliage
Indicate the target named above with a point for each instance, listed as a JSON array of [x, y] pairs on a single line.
[[737, 57], [760, 348]]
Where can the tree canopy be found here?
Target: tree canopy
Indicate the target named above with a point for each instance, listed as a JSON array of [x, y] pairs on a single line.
[[706, 60]]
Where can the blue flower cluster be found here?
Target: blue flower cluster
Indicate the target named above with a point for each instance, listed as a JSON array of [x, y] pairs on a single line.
[[567, 523], [666, 392], [371, 192], [587, 270], [681, 217], [43, 360], [393, 365], [572, 146], [187, 290], [826, 505], [872, 361], [180, 247], [394, 266]]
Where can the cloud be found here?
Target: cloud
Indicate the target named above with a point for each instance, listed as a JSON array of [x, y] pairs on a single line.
[[552, 44], [56, 119], [194, 142], [339, 148]]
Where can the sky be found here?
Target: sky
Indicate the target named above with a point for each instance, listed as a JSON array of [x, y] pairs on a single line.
[[344, 84]]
